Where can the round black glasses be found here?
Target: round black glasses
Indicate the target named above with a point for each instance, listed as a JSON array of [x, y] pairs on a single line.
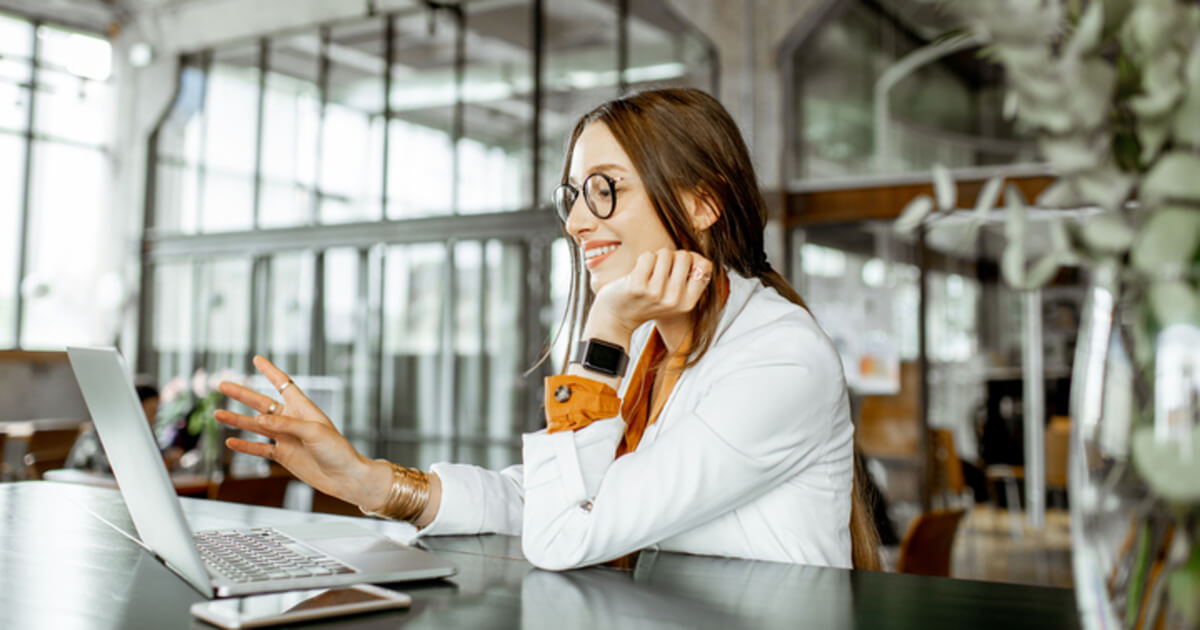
[[599, 193]]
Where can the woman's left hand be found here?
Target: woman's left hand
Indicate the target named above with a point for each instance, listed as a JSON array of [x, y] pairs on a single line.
[[661, 284]]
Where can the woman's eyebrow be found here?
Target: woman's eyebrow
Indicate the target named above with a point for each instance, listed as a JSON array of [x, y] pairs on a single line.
[[599, 168]]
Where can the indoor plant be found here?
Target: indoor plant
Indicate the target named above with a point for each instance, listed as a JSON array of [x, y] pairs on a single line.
[[1110, 89]]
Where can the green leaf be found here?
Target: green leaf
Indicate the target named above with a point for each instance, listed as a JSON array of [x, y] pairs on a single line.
[[1168, 241], [1042, 271], [1183, 588], [1168, 466], [1152, 135], [944, 188], [1091, 98], [1014, 224], [1174, 176], [1147, 28], [1012, 264], [1087, 33], [988, 196], [914, 213], [1060, 194], [1161, 87], [1071, 154], [1107, 188], [1174, 302], [1107, 233], [1186, 126]]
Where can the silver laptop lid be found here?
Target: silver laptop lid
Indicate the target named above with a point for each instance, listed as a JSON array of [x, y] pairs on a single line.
[[136, 463]]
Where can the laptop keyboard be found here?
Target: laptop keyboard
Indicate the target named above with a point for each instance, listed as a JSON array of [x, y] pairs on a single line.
[[259, 554]]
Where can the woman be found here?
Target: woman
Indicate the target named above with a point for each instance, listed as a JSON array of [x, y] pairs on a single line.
[[730, 437]]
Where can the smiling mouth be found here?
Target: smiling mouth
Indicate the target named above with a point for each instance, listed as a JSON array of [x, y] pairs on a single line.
[[596, 255]]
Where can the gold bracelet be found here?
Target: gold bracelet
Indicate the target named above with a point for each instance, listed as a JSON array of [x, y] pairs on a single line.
[[408, 496]]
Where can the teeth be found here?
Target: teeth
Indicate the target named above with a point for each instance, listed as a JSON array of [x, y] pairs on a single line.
[[599, 251]]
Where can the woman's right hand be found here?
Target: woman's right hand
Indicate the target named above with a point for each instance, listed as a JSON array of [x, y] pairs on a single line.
[[305, 441]]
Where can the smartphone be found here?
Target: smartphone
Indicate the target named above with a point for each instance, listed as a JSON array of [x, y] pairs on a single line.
[[257, 611]]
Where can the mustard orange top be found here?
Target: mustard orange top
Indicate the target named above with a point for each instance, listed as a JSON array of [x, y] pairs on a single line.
[[592, 400]]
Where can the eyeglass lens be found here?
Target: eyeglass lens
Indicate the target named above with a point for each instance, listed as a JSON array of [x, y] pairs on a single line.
[[598, 194]]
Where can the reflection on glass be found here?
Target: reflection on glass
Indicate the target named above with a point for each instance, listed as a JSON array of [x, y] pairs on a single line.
[[289, 325], [224, 313], [580, 71], [64, 303], [79, 54], [351, 168], [291, 118], [72, 108], [664, 50], [180, 155], [420, 133], [12, 174], [414, 301], [940, 113], [174, 319], [16, 37], [230, 128], [504, 342], [495, 150], [560, 289], [343, 320]]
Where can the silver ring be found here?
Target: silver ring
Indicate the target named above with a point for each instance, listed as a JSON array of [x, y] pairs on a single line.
[[286, 385], [273, 408]]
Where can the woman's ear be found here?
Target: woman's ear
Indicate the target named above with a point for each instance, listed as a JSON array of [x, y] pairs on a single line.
[[702, 210]]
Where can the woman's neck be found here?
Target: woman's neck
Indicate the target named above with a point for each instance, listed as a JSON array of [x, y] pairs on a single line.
[[674, 331]]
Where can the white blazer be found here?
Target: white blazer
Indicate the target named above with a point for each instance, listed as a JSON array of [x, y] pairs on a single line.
[[751, 457]]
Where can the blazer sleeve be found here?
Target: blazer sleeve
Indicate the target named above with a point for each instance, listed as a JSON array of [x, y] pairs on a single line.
[[476, 500], [755, 427]]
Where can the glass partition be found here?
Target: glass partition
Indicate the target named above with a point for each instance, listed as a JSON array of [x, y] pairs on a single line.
[[359, 199]]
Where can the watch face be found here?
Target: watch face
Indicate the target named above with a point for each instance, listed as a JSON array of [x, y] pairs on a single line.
[[604, 356]]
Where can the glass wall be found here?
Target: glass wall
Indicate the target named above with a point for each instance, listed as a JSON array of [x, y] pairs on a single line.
[[947, 111], [56, 122], [378, 188]]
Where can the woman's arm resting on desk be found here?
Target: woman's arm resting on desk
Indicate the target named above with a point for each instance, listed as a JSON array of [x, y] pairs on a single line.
[[308, 446]]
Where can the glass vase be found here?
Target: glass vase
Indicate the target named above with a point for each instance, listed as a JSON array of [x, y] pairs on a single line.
[[1134, 473]]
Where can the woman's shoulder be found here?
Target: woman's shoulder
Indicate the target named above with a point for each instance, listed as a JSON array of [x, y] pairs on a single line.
[[769, 328]]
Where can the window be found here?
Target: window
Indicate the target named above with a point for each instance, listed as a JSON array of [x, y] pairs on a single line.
[[56, 122], [947, 111], [380, 173]]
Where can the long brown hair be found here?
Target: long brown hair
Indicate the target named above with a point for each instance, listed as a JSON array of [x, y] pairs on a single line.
[[683, 141]]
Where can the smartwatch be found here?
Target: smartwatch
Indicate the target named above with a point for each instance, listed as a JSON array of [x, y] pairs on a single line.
[[601, 356]]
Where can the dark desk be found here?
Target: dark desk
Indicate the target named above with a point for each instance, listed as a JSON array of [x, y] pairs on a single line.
[[60, 567]]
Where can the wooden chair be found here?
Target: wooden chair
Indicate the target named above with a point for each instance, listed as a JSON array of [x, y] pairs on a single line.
[[48, 449], [926, 547], [268, 491], [948, 479], [1058, 446]]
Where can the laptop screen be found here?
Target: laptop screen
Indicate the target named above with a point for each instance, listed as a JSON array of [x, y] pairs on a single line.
[[135, 460]]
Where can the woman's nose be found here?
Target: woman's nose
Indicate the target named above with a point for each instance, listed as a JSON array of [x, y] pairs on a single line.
[[580, 219]]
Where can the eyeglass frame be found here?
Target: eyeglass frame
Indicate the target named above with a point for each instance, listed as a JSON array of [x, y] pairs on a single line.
[[565, 214]]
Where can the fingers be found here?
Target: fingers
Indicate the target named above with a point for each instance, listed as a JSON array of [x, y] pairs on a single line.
[[681, 266], [698, 279], [292, 396], [258, 449], [657, 282], [249, 397], [269, 426]]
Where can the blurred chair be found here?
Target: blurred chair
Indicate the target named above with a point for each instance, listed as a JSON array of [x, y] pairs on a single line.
[[926, 547], [268, 491], [948, 480], [48, 449], [1058, 445]]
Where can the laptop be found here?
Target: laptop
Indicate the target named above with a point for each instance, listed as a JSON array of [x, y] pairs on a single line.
[[225, 563]]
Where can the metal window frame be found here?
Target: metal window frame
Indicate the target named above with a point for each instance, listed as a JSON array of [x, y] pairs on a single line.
[[531, 228]]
